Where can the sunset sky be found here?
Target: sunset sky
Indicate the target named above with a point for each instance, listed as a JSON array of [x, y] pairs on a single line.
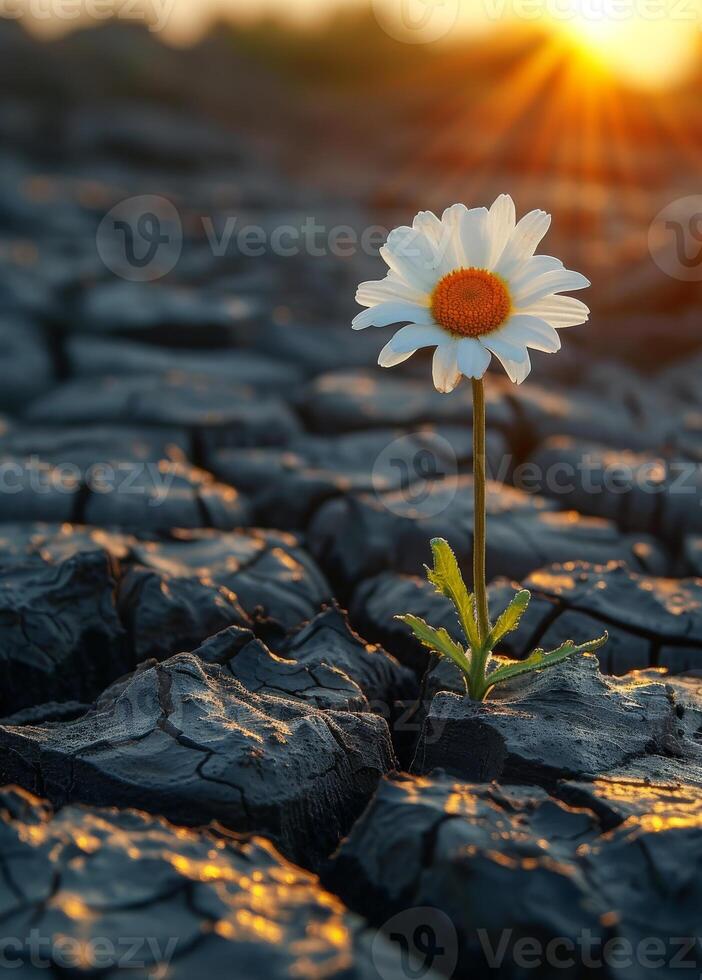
[[654, 43]]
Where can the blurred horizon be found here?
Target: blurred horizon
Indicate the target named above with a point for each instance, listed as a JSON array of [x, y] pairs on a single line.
[[647, 43]]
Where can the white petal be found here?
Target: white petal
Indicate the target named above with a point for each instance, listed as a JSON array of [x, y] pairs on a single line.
[[517, 371], [450, 250], [560, 280], [429, 225], [473, 358], [391, 288], [391, 358], [523, 241], [392, 312], [530, 331], [445, 367], [414, 336], [503, 348], [407, 341], [530, 270], [559, 311], [475, 238], [501, 222], [411, 255], [517, 368]]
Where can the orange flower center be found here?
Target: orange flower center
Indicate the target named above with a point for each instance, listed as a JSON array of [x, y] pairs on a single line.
[[470, 302]]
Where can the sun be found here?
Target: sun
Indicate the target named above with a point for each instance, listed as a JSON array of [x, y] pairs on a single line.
[[644, 51]]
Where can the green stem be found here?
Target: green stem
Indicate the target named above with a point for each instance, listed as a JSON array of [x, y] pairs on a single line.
[[479, 516]]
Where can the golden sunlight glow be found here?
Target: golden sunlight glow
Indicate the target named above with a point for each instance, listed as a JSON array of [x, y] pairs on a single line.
[[647, 53]]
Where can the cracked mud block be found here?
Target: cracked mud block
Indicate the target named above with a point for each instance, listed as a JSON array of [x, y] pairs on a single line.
[[160, 496], [27, 367], [328, 639], [325, 664], [60, 635], [512, 867], [92, 356], [491, 858], [82, 606], [93, 446], [267, 572], [287, 485], [166, 614], [543, 726], [23, 296], [42, 543], [37, 490], [692, 555], [652, 621], [640, 491], [254, 665], [342, 401], [346, 400], [194, 903], [680, 380], [657, 308], [50, 711], [633, 395], [213, 411], [686, 440], [185, 740], [359, 536], [546, 412], [312, 348], [135, 494], [160, 313]]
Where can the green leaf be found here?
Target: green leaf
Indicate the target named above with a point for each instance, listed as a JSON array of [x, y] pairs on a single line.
[[509, 619], [438, 641], [446, 578], [539, 659]]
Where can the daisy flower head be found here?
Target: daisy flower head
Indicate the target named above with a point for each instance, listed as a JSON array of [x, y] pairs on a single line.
[[470, 285]]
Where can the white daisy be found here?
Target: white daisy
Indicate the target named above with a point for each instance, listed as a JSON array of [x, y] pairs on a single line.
[[470, 285]]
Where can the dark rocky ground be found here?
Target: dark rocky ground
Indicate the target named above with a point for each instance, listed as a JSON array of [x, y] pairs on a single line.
[[201, 748]]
